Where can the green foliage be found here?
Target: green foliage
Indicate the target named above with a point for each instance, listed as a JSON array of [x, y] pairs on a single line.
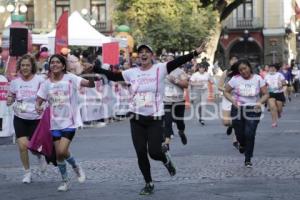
[[174, 25]]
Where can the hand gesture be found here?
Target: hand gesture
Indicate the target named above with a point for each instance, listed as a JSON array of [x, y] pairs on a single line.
[[39, 109], [258, 107], [10, 100], [202, 47]]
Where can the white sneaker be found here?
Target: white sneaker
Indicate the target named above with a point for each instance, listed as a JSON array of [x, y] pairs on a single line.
[[27, 177], [80, 174], [64, 186], [100, 125], [42, 163]]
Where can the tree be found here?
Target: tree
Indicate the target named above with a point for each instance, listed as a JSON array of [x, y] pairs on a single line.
[[222, 8], [174, 25]]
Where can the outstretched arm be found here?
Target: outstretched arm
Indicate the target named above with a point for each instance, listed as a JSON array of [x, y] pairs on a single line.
[[113, 76], [177, 62]]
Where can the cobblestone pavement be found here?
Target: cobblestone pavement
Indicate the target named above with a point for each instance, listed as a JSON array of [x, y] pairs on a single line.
[[207, 168]]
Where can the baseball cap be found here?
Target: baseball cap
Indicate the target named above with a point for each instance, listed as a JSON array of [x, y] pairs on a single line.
[[140, 47]]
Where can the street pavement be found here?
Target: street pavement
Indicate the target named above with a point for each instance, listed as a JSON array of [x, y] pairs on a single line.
[[209, 167]]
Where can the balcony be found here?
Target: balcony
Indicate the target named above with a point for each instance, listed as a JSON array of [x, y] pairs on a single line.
[[241, 23], [104, 27], [29, 24]]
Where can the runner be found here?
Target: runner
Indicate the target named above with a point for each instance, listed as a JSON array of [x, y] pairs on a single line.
[[174, 102], [275, 82], [22, 95], [287, 73], [199, 89], [60, 91], [243, 91], [147, 108], [226, 105]]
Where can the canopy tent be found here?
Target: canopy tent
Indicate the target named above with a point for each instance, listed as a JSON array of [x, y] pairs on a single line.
[[80, 33]]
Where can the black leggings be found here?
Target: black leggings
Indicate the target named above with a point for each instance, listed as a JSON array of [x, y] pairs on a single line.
[[174, 112], [147, 136]]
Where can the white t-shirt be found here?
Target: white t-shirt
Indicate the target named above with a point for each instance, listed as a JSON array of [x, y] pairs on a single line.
[[26, 94], [147, 89], [246, 92], [200, 81], [174, 93], [274, 82], [63, 100]]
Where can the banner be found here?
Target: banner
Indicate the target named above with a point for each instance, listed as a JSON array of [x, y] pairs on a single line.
[[61, 35], [3, 90], [110, 53]]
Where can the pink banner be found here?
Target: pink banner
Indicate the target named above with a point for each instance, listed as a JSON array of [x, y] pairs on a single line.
[[3, 90], [110, 53]]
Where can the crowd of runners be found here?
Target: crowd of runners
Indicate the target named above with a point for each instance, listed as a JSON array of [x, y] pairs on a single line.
[[158, 95]]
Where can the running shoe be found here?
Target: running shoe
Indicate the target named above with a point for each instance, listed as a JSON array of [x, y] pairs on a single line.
[[27, 177], [248, 164], [170, 165], [229, 130], [182, 137], [201, 122], [64, 186], [274, 125], [80, 174], [148, 189]]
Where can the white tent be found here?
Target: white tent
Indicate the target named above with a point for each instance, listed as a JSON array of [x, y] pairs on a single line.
[[80, 32]]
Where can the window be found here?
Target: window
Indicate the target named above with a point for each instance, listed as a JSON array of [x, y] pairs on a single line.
[[30, 13], [98, 10], [245, 10], [60, 7]]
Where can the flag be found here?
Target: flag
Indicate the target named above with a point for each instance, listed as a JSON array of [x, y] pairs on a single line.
[[110, 53], [61, 36]]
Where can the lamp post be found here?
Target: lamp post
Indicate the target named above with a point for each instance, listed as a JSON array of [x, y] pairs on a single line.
[[246, 38], [13, 6], [86, 15]]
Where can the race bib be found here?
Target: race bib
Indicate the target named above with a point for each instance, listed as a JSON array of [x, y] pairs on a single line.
[[247, 90], [143, 100], [170, 91], [201, 84], [21, 107]]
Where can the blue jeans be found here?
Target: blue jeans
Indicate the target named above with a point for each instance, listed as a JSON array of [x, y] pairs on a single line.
[[245, 121]]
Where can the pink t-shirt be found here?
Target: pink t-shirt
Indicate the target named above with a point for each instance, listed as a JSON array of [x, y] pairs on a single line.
[[246, 91], [147, 89], [63, 100], [26, 94], [274, 82]]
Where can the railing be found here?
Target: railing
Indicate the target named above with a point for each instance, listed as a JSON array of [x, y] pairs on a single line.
[[104, 26], [241, 23], [30, 25]]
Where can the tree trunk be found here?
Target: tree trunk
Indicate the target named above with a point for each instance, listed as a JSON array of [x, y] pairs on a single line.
[[212, 45]]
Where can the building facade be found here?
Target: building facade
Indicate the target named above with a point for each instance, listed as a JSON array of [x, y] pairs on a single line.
[[42, 15], [263, 31]]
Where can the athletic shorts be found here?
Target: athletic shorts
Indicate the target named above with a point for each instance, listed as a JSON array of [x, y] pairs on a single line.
[[24, 127], [278, 96], [66, 133]]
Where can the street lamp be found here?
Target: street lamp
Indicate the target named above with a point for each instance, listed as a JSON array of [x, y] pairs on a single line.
[[224, 34], [246, 38], [88, 17], [13, 6]]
